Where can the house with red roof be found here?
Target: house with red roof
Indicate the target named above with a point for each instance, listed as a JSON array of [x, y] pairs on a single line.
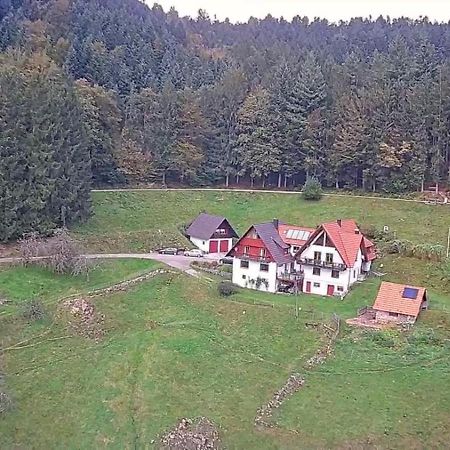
[[327, 260], [334, 257]]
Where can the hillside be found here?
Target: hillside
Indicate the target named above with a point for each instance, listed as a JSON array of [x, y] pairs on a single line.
[[147, 220]]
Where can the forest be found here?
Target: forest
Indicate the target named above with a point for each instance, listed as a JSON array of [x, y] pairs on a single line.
[[114, 92]]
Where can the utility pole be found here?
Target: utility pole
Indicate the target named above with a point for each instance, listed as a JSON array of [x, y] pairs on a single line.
[[448, 243]]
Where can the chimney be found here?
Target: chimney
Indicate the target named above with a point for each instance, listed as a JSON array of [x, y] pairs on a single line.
[[339, 222], [276, 222]]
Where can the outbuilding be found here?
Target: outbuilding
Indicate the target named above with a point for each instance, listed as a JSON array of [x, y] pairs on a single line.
[[399, 303], [212, 234]]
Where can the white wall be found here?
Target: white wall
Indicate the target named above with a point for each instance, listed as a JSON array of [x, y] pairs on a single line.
[[201, 244], [309, 253], [204, 245], [324, 280], [346, 277], [241, 275]]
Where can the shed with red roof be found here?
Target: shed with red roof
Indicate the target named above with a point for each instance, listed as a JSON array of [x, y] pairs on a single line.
[[399, 303]]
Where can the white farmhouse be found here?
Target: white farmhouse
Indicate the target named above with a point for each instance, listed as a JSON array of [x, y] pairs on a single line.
[[334, 257], [261, 259]]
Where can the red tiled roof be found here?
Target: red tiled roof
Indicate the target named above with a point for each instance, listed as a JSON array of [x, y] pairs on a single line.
[[369, 247], [345, 239], [390, 299], [284, 228]]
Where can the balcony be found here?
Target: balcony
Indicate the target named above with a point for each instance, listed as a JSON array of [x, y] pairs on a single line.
[[226, 235], [290, 276], [322, 264], [254, 258]]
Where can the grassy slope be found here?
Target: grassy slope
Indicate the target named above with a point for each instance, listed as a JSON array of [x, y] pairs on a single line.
[[174, 349], [142, 221]]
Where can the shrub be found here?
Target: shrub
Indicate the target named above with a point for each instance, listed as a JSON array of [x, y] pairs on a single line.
[[226, 288], [33, 310], [312, 189], [61, 253]]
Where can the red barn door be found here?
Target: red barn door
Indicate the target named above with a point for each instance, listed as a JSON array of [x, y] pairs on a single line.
[[308, 286], [213, 246], [330, 289], [223, 246]]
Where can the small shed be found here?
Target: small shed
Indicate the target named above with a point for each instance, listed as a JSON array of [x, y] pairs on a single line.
[[213, 234], [399, 303]]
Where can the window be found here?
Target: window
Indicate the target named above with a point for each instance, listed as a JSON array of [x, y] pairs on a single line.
[[335, 274], [317, 285], [244, 277], [316, 271], [392, 314], [246, 250], [244, 264], [295, 248], [340, 288], [262, 252], [317, 256], [354, 274], [221, 231], [264, 267], [329, 258]]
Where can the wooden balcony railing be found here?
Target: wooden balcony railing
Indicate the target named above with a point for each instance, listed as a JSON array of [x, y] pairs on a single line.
[[322, 264], [254, 257], [290, 276]]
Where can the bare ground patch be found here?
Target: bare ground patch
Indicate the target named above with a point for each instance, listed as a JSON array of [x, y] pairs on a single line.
[[192, 434], [84, 319]]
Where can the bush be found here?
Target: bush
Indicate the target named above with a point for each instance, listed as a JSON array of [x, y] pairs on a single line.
[[33, 310], [61, 253], [226, 288], [312, 189]]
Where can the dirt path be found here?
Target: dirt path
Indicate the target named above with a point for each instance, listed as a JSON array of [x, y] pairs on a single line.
[[256, 191]]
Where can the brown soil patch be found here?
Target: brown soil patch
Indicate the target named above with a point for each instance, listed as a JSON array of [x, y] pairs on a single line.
[[199, 434]]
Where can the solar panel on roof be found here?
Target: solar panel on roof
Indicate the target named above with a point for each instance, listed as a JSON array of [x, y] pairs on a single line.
[[410, 293], [289, 234]]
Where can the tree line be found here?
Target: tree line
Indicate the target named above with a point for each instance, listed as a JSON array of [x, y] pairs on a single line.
[[109, 92]]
